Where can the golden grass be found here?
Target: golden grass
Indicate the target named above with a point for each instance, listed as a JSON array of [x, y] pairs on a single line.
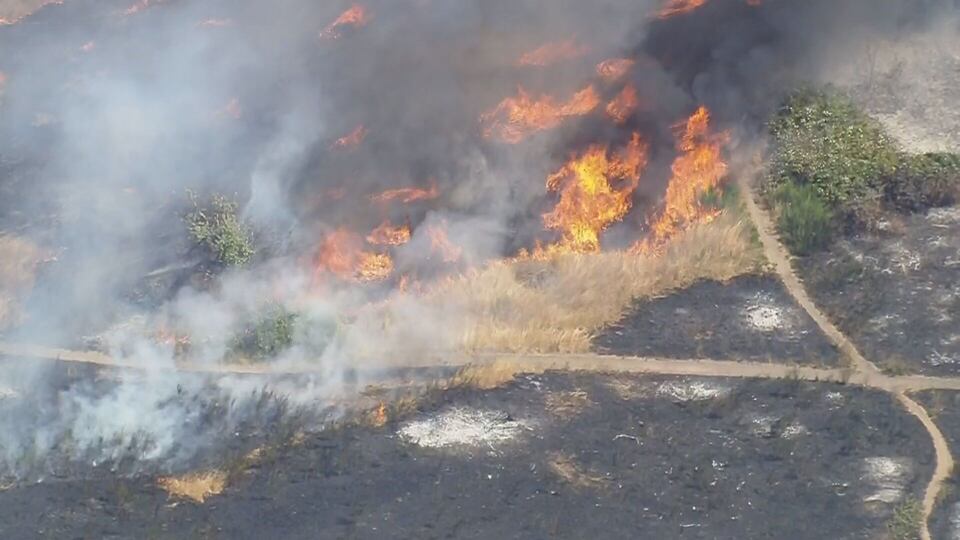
[[18, 263], [558, 305], [197, 486], [566, 468]]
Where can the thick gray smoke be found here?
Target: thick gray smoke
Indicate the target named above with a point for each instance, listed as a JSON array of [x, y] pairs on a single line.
[[111, 111]]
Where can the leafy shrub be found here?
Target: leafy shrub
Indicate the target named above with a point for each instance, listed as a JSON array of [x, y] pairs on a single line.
[[270, 335], [823, 140], [906, 521], [924, 181], [805, 222], [219, 229]]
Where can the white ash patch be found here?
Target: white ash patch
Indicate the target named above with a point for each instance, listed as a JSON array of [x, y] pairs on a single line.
[[8, 393], [835, 399], [955, 521], [887, 476], [462, 427], [762, 425], [692, 390], [764, 314], [944, 216], [937, 358], [794, 430]]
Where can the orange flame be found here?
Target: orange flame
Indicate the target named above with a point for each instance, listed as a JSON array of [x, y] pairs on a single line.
[[624, 105], [673, 8], [553, 52], [589, 202], [379, 416], [388, 235], [407, 195], [140, 6], [342, 255], [698, 168], [354, 138], [515, 118], [440, 243], [614, 69], [356, 16]]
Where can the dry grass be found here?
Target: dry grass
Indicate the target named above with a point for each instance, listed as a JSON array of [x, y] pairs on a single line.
[[566, 468], [557, 305], [196, 486], [18, 263], [567, 405]]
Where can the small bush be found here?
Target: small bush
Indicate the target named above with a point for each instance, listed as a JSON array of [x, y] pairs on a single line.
[[924, 181], [823, 140], [805, 222], [269, 335], [906, 521], [219, 229]]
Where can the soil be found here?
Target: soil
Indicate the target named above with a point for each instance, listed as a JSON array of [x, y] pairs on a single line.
[[944, 407], [748, 318], [574, 455], [897, 295]]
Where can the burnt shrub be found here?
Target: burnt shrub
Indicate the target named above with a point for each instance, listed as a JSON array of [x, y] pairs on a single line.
[[804, 220], [924, 181]]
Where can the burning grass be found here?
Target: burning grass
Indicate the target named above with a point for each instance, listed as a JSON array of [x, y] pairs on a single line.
[[559, 304]]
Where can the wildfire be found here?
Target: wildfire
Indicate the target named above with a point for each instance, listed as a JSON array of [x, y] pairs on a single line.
[[623, 105], [673, 8], [354, 138], [441, 245], [342, 255], [231, 109], [614, 69], [407, 195], [140, 6], [356, 16], [388, 235], [552, 53], [515, 118], [698, 169], [589, 201]]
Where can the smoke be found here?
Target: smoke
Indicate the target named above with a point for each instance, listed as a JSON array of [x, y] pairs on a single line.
[[108, 115]]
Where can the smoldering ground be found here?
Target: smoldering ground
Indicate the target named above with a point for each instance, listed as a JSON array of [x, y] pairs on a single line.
[[110, 111]]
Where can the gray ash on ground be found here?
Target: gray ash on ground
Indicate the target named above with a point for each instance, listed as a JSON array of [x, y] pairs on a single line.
[[897, 295], [575, 456], [748, 318], [943, 406]]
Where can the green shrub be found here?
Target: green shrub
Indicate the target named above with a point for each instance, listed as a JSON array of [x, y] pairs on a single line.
[[906, 521], [822, 139], [271, 334], [219, 229], [805, 221], [924, 181]]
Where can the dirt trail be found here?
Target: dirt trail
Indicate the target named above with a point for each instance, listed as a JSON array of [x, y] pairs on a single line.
[[865, 370]]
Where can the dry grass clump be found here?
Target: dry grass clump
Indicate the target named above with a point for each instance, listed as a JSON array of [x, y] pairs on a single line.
[[572, 473], [18, 263], [557, 305], [196, 486]]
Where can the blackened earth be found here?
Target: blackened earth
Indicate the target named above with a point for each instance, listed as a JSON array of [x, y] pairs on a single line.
[[596, 456], [748, 318]]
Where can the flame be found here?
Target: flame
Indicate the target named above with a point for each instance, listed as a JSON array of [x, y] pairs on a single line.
[[614, 69], [21, 12], [342, 255], [551, 53], [351, 139], [673, 8], [379, 417], [440, 243], [517, 117], [388, 235], [589, 202], [231, 109], [698, 168], [624, 105], [407, 195], [356, 16]]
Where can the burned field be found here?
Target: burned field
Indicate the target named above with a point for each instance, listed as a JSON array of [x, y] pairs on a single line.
[[747, 318], [556, 455], [942, 405], [896, 294]]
